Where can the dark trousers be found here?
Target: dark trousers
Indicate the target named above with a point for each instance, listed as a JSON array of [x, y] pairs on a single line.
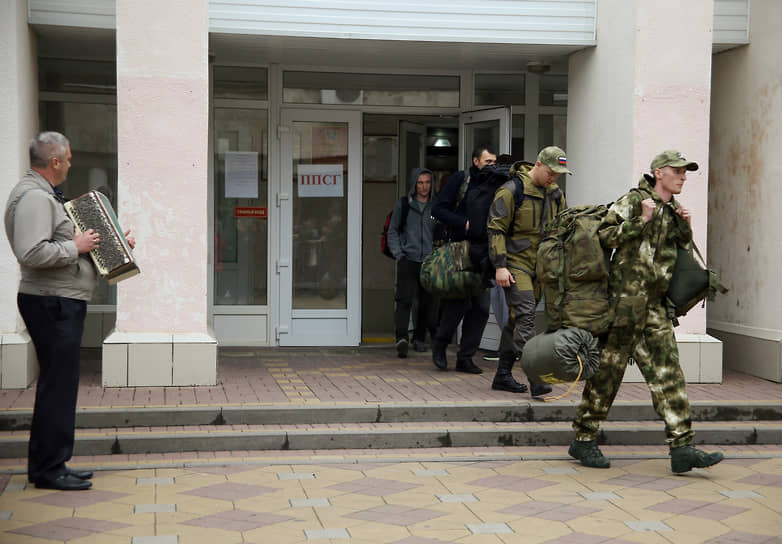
[[408, 289], [55, 325], [473, 312]]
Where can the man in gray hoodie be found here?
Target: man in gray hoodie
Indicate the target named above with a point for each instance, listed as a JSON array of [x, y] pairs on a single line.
[[410, 240], [58, 279]]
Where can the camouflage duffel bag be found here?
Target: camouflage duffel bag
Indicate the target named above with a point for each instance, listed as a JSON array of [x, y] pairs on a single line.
[[446, 272]]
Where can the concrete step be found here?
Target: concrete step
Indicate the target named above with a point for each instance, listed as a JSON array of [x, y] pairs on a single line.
[[508, 412], [133, 440]]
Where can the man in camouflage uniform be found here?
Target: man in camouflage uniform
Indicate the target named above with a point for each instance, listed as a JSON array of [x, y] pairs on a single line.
[[645, 226], [521, 209]]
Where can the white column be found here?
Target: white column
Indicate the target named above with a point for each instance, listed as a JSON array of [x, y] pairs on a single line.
[[18, 124], [745, 191], [643, 89], [162, 335]]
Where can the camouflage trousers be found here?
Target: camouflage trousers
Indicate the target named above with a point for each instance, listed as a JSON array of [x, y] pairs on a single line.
[[653, 347], [520, 326]]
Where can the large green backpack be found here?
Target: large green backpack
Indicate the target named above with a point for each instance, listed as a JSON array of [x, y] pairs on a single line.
[[572, 268]]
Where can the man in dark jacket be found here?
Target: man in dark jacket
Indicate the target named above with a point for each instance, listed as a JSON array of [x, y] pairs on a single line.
[[409, 243], [451, 208]]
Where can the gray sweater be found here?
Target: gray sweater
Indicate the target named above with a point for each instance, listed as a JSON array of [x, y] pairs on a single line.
[[41, 237]]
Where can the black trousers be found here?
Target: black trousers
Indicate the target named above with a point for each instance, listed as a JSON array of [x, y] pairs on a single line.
[[408, 288], [473, 312], [55, 325]]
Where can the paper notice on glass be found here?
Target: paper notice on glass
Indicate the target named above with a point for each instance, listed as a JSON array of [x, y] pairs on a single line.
[[241, 174], [320, 180]]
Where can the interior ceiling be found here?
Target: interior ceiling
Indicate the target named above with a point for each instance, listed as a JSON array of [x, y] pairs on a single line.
[[99, 44]]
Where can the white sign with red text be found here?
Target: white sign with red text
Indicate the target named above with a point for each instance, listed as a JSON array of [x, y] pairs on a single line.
[[320, 180]]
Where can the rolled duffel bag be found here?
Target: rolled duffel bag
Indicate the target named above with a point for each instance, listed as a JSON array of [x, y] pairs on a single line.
[[561, 356], [446, 272]]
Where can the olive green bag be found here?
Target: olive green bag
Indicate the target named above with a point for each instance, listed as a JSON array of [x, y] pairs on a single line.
[[572, 268], [691, 282], [447, 272]]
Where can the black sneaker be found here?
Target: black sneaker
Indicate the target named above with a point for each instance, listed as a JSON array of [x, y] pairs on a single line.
[[401, 347], [491, 356], [686, 458], [419, 346], [589, 454], [466, 365]]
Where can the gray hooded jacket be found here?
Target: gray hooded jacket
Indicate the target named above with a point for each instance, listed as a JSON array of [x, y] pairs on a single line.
[[41, 236], [413, 240]]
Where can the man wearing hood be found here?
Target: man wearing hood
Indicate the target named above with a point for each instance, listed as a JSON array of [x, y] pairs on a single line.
[[410, 240], [646, 226]]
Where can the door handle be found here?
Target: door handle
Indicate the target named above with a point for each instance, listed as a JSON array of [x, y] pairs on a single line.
[[282, 263]]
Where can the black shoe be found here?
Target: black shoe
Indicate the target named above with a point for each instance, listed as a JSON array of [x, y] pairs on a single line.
[[63, 482], [401, 348], [438, 356], [539, 389], [80, 474], [466, 365], [685, 458], [419, 346], [491, 356], [506, 382], [589, 454]]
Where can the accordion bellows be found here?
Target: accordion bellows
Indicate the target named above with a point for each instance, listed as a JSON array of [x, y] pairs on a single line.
[[113, 257]]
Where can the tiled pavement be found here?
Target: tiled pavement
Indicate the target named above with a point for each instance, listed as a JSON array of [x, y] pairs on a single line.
[[407, 502], [421, 496]]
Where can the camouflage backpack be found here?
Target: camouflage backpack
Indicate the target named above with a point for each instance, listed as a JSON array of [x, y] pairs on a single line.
[[446, 272], [572, 268]]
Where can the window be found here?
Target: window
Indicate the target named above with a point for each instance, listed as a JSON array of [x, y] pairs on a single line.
[[240, 206], [240, 82], [370, 89], [499, 89]]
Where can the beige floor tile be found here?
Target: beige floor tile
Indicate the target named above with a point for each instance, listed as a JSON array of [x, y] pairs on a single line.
[[196, 505], [352, 502], [377, 532], [36, 513], [190, 533], [451, 534], [602, 527], [756, 521], [280, 533], [697, 527], [102, 538], [538, 530]]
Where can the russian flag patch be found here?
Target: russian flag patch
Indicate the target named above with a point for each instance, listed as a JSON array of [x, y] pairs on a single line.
[[562, 161]]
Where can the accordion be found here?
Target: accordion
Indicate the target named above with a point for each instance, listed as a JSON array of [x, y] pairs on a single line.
[[113, 257]]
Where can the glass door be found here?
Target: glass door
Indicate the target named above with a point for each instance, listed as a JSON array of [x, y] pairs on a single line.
[[490, 127], [319, 265]]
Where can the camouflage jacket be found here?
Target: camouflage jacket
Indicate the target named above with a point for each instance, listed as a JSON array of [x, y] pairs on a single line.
[[514, 234], [645, 253]]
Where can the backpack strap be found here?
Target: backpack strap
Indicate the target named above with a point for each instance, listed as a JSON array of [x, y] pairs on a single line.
[[518, 200], [462, 192]]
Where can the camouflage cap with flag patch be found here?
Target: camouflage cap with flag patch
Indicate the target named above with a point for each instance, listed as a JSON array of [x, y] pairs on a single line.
[[554, 157], [672, 158]]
